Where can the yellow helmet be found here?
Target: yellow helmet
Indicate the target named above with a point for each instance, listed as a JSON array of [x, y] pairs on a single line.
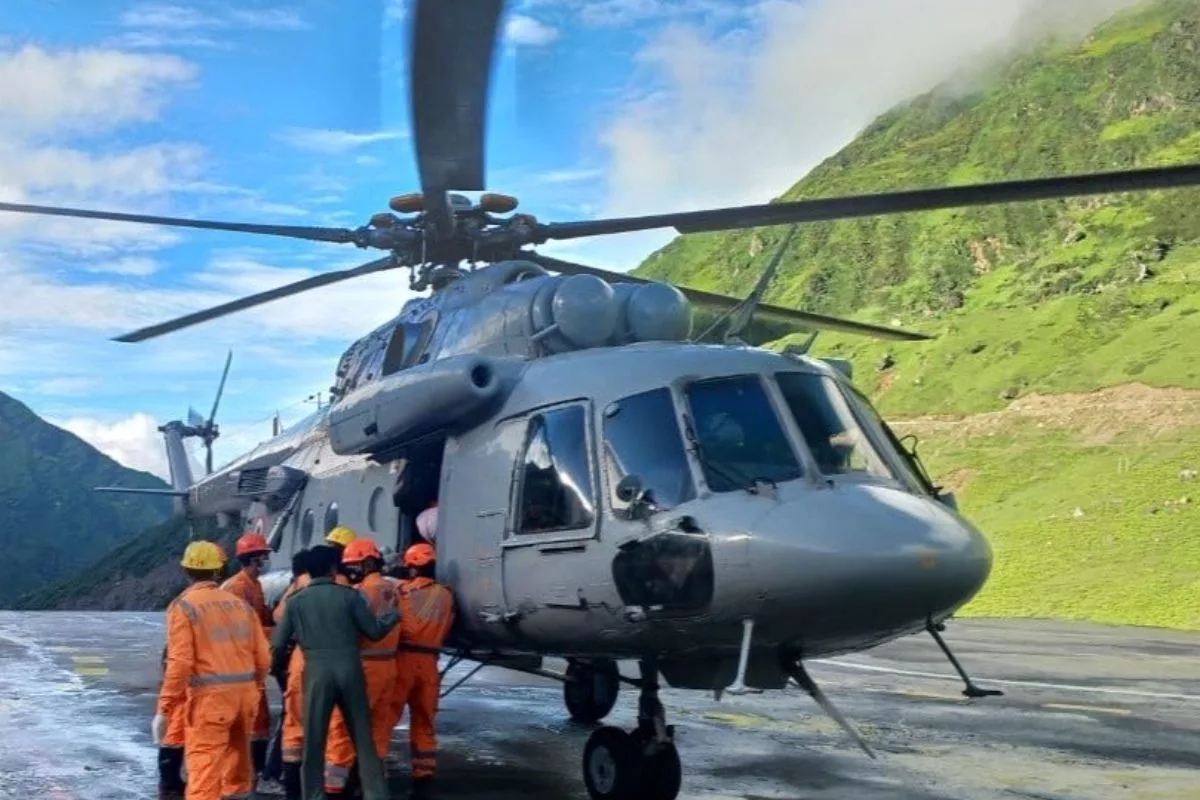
[[341, 536], [203, 555]]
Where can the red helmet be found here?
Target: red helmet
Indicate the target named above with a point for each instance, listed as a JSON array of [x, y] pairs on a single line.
[[252, 543], [360, 550], [419, 555]]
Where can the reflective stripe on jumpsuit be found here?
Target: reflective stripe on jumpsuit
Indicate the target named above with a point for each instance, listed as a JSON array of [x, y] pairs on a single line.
[[426, 615]]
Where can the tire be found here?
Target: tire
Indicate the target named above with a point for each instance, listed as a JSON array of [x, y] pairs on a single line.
[[591, 690], [662, 774], [612, 765]]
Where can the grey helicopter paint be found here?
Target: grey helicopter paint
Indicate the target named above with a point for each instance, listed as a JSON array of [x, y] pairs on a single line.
[[610, 484]]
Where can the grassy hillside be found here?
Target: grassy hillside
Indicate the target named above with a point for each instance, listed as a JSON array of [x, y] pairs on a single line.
[[51, 522], [1090, 514]]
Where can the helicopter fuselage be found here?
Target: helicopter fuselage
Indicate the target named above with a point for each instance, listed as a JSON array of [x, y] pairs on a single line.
[[753, 485]]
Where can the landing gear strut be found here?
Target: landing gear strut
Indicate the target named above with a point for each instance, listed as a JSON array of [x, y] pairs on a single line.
[[642, 764], [935, 630], [590, 689]]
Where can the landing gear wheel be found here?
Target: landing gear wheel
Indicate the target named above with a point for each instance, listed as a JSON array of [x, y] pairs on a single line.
[[662, 772], [612, 765], [591, 689]]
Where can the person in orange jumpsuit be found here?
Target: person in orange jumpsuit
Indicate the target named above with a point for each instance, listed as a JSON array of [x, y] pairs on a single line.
[[171, 785], [363, 563], [217, 663], [253, 552], [426, 616], [293, 693]]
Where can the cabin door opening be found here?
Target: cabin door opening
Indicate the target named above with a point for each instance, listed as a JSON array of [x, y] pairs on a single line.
[[416, 490]]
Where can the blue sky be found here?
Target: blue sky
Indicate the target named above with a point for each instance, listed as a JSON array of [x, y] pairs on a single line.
[[296, 112]]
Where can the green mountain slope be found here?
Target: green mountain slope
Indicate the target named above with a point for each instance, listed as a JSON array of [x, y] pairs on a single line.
[[51, 522], [1028, 300]]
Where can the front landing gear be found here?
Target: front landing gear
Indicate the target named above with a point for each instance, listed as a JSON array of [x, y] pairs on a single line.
[[590, 689], [642, 764]]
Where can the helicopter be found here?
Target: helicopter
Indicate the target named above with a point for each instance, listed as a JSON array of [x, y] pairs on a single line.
[[610, 486]]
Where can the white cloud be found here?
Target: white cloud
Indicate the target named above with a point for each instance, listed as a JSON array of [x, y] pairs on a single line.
[[744, 115], [133, 266], [559, 176], [623, 13], [133, 441], [172, 17], [83, 91], [523, 30], [334, 142]]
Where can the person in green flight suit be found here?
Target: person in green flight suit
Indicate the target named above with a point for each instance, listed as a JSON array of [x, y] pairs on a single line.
[[326, 618]]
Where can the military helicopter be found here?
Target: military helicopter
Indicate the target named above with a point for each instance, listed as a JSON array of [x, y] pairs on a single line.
[[610, 486]]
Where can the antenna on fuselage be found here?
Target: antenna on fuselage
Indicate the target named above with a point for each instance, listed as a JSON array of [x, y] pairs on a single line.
[[742, 315]]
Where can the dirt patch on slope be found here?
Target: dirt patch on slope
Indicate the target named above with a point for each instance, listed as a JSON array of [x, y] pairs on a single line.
[[1098, 416]]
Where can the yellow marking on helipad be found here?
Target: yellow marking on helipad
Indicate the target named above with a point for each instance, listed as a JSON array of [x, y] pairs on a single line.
[[1120, 712], [88, 659], [90, 672], [929, 695]]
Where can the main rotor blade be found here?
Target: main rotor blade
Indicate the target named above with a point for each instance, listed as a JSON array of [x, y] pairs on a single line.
[[449, 77], [830, 208], [220, 389], [142, 334], [723, 302], [336, 235]]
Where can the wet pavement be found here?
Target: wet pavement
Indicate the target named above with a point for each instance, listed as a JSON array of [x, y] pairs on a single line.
[[1088, 712]]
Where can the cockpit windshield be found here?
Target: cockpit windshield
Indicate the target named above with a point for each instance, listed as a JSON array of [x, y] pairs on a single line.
[[838, 444], [641, 438], [738, 437]]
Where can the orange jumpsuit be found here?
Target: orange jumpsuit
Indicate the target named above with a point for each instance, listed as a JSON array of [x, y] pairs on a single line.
[[426, 615], [217, 662], [293, 694], [173, 738], [379, 667], [250, 590]]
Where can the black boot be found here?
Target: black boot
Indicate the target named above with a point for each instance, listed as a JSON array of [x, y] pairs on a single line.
[[258, 754], [291, 781], [422, 788], [170, 773]]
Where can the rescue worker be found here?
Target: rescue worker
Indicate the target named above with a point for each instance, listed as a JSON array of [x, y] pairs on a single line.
[[253, 552], [363, 561], [326, 619], [426, 616], [340, 538], [217, 661], [291, 737]]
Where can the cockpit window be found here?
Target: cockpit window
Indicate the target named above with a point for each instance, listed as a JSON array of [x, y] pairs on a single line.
[[738, 437], [838, 444], [641, 438], [556, 488]]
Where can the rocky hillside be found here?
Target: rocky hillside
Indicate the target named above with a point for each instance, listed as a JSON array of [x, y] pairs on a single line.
[[51, 522], [1086, 495]]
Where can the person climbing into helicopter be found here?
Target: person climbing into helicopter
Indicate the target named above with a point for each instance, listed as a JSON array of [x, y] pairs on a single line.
[[427, 522], [217, 662], [254, 552], [291, 738], [171, 782], [326, 620], [340, 538], [363, 562], [426, 616]]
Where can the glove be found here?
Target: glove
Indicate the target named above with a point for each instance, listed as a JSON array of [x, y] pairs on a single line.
[[158, 728]]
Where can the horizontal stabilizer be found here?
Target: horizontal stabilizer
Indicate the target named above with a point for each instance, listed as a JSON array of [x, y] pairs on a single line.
[[129, 490]]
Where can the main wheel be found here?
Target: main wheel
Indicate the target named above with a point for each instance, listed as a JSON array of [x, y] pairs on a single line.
[[591, 690], [612, 765], [662, 774]]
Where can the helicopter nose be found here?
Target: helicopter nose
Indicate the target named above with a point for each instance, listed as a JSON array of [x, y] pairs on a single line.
[[864, 560]]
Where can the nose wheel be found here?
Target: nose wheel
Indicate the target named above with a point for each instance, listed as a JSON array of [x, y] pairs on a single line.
[[640, 765]]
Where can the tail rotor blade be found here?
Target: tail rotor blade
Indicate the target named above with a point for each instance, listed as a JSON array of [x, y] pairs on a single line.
[[194, 418], [220, 390]]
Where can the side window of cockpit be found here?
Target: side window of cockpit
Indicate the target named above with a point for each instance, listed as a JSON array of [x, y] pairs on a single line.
[[831, 432], [738, 437], [641, 438], [556, 483]]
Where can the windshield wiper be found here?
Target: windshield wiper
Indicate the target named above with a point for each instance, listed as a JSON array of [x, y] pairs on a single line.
[[730, 474], [912, 458]]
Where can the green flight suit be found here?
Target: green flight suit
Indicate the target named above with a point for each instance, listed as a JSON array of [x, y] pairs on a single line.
[[326, 619]]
